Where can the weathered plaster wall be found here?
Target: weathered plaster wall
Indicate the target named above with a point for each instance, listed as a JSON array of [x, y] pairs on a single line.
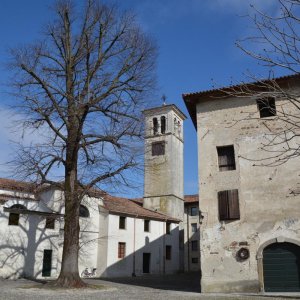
[[163, 184], [268, 210]]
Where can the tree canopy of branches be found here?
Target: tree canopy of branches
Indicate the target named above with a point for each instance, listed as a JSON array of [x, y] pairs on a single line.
[[84, 84], [275, 44]]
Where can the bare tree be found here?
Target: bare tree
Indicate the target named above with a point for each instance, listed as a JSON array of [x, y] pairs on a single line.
[[275, 44], [84, 86]]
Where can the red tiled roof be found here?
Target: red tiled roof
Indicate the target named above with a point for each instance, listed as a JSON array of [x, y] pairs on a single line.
[[18, 186], [138, 201], [191, 198], [128, 207]]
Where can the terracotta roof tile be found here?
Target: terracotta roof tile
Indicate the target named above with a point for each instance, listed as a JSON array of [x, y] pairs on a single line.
[[18, 186], [126, 206], [191, 198]]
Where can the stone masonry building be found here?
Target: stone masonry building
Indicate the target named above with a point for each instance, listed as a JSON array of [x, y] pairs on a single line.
[[250, 231]]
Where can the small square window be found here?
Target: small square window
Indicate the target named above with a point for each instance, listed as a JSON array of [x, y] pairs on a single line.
[[168, 252], [194, 245], [168, 228], [122, 222], [50, 223], [121, 250], [13, 219], [226, 158], [194, 227], [194, 211], [266, 107], [158, 148], [194, 260], [146, 225]]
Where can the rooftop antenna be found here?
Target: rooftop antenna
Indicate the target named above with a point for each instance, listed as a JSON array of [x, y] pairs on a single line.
[[163, 98]]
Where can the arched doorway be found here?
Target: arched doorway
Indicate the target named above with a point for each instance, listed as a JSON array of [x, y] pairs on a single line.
[[281, 267]]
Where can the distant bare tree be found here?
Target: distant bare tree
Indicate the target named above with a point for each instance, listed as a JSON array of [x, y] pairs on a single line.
[[276, 46], [84, 85]]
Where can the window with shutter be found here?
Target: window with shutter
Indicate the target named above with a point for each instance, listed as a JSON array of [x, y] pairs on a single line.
[[228, 205], [121, 250], [158, 148], [226, 158]]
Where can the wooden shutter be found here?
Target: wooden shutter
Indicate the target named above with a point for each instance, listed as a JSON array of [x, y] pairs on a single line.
[[158, 148], [223, 205], [229, 208], [121, 250], [233, 204], [226, 158]]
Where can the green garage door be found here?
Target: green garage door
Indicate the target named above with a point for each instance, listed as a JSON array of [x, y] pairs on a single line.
[[282, 267]]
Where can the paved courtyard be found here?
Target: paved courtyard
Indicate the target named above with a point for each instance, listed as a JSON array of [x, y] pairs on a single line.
[[183, 286]]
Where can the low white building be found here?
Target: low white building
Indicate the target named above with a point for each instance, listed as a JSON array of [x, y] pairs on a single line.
[[118, 237]]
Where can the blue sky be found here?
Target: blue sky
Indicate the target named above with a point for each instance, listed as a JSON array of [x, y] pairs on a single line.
[[196, 40]]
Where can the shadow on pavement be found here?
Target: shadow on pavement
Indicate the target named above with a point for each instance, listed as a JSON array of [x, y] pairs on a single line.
[[187, 282]]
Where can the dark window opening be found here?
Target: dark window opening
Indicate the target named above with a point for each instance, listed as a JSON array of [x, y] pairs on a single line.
[[122, 223], [194, 211], [168, 252], [146, 225], [194, 260], [121, 250], [50, 223], [158, 148], [168, 228], [14, 217], [163, 124], [266, 107], [229, 205], [83, 212], [194, 227], [47, 263], [194, 245], [226, 158], [155, 126]]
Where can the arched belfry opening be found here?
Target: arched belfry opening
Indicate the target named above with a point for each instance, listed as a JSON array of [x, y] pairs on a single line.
[[163, 124]]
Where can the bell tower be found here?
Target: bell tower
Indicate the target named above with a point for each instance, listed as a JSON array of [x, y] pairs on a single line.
[[163, 184]]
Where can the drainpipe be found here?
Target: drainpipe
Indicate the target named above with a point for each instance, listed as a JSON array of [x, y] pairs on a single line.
[[188, 239], [164, 247], [133, 263]]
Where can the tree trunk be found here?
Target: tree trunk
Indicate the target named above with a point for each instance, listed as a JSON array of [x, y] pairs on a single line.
[[69, 274]]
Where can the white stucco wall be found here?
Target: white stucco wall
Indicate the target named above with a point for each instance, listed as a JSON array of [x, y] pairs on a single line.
[[144, 242], [22, 246]]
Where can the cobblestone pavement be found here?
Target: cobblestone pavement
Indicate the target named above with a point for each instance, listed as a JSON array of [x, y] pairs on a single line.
[[151, 287]]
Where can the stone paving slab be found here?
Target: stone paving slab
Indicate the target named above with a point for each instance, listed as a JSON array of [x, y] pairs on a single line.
[[29, 290]]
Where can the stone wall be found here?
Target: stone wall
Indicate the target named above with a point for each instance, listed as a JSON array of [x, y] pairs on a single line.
[[269, 210]]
